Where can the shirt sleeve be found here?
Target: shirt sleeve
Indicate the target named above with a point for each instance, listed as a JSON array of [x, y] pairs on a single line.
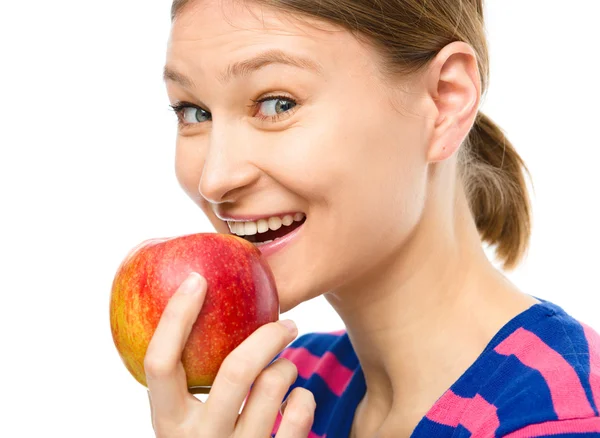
[[576, 428]]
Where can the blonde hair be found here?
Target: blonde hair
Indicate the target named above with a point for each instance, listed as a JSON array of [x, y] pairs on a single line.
[[409, 34]]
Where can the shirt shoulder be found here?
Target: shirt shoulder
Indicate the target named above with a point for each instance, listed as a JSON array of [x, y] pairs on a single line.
[[540, 374], [555, 363]]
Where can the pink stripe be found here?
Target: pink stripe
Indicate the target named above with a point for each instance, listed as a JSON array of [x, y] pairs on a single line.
[[336, 376], [594, 347], [314, 435], [305, 361], [480, 418], [475, 414], [567, 393], [582, 425], [448, 409]]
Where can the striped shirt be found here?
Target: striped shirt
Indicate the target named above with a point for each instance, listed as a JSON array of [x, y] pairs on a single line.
[[538, 377]]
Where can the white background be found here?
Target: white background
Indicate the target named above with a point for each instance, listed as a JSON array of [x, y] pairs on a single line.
[[86, 172]]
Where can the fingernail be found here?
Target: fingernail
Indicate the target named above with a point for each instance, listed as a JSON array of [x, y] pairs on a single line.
[[191, 285], [290, 325], [282, 407]]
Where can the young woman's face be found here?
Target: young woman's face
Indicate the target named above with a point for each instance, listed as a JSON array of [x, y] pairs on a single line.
[[329, 138]]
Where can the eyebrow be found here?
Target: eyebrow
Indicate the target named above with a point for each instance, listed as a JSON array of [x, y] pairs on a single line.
[[248, 66]]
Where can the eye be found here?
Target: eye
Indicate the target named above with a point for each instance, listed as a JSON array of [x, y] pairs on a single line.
[[192, 114], [273, 106], [189, 114]]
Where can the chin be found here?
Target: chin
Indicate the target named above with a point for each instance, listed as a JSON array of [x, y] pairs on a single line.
[[289, 296], [294, 288], [286, 306]]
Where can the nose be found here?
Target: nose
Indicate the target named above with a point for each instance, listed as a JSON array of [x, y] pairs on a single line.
[[228, 168]]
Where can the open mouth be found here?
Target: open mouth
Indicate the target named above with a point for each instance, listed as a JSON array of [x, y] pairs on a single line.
[[271, 235], [267, 230]]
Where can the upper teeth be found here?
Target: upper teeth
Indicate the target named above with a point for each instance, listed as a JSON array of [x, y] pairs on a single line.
[[263, 225]]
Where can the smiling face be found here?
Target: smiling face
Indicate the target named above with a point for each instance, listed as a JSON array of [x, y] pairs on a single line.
[[280, 116]]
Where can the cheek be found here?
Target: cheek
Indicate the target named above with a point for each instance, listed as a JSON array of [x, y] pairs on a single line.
[[395, 182], [374, 175], [188, 169]]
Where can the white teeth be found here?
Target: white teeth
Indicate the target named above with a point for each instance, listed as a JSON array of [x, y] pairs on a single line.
[[274, 223], [287, 220], [262, 226], [240, 229], [250, 228]]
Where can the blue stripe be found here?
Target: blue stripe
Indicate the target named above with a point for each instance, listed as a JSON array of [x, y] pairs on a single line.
[[520, 393], [326, 400], [461, 432], [428, 428]]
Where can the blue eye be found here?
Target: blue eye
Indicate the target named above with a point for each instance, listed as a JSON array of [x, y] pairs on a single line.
[[192, 115], [189, 114], [273, 106]]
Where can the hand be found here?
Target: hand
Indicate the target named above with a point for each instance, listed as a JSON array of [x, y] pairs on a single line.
[[176, 413]]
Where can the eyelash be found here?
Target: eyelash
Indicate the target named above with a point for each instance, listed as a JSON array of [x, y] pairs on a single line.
[[179, 107]]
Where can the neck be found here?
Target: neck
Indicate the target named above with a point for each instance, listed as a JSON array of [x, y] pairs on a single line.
[[422, 319]]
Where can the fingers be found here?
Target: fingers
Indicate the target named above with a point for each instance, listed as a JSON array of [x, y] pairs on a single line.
[[262, 406], [298, 415], [240, 369], [165, 375]]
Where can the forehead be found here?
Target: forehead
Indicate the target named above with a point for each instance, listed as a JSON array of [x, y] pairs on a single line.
[[213, 17], [208, 32]]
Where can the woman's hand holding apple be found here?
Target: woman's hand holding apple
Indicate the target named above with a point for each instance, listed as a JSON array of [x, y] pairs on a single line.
[[177, 413]]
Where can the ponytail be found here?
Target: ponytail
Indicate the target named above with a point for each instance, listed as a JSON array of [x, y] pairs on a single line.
[[494, 178]]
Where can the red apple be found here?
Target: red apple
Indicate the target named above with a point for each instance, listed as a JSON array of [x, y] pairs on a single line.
[[241, 296]]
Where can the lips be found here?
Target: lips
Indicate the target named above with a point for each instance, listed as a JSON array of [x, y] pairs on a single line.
[[268, 249]]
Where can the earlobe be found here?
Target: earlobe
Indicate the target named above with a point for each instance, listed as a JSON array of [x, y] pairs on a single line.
[[455, 88]]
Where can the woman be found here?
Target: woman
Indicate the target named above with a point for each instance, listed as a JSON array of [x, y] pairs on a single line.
[[348, 134]]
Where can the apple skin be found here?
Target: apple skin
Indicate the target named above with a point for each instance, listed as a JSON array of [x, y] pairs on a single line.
[[241, 296]]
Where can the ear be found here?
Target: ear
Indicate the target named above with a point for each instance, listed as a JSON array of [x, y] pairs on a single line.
[[454, 86]]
